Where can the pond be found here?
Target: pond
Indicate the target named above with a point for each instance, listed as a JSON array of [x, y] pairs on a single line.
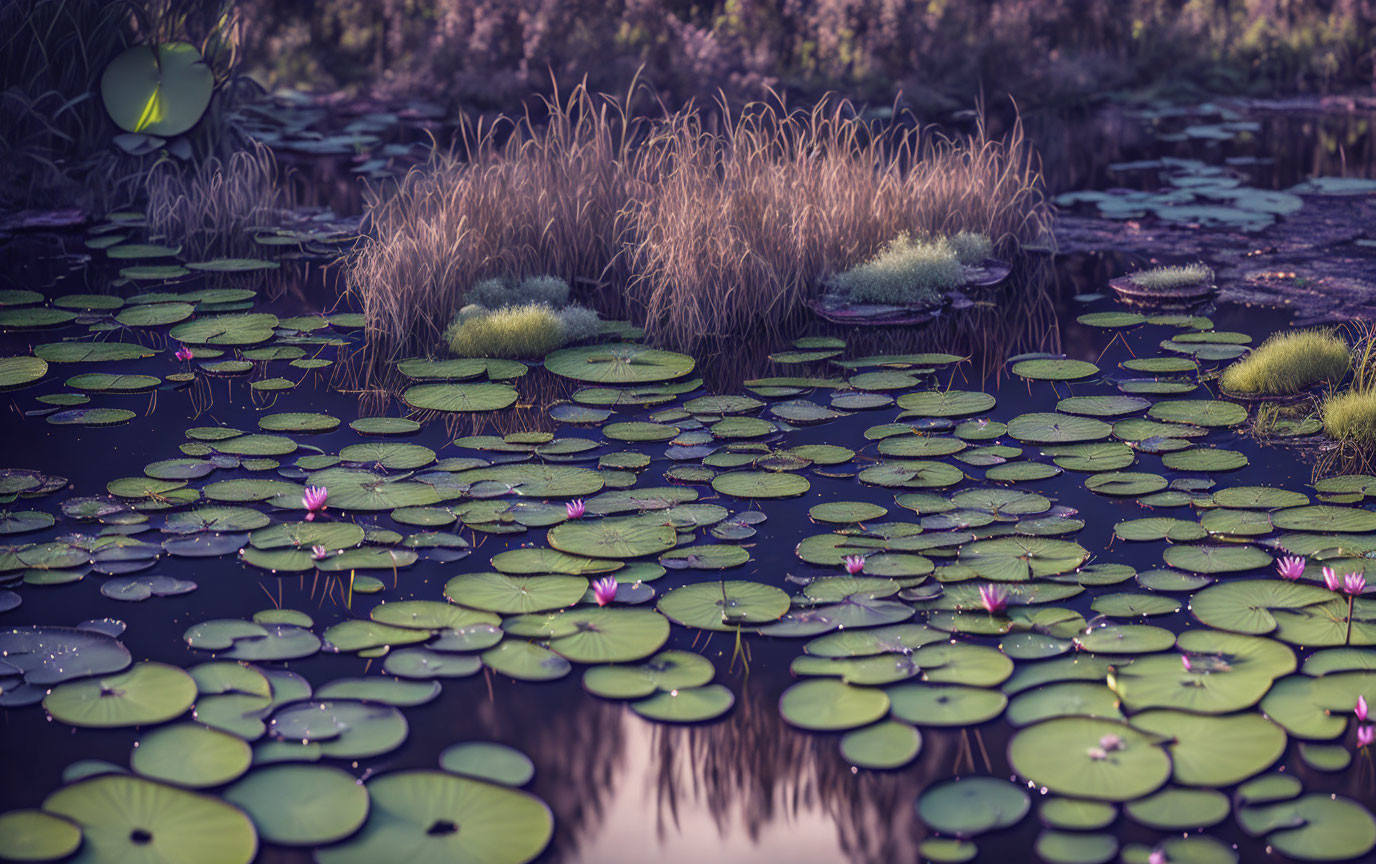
[[1135, 679]]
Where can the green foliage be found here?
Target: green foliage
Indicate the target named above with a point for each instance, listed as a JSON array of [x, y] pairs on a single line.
[[1288, 363], [1350, 417], [1173, 277], [905, 271], [580, 324], [972, 248], [513, 331]]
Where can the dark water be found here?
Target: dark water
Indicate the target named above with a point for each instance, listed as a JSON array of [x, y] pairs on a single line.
[[745, 788]]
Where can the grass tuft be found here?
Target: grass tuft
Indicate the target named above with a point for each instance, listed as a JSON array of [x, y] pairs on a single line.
[[1350, 417], [1288, 363], [972, 248], [529, 331], [210, 208], [906, 271], [1165, 278]]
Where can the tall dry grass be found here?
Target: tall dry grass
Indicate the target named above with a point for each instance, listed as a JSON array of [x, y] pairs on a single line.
[[210, 208], [708, 222]]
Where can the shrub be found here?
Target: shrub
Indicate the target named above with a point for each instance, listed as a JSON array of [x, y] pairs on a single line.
[[514, 331], [906, 271], [500, 291], [1165, 278], [579, 323], [971, 248], [1288, 363], [1350, 417]]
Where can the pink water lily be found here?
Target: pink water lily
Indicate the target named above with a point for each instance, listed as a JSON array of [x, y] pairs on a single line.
[[575, 508], [604, 590], [1354, 583], [184, 354], [1111, 742], [1157, 856], [1360, 710], [854, 564], [314, 500], [1365, 736], [1185, 661], [319, 553], [1291, 568], [1331, 580], [994, 598]]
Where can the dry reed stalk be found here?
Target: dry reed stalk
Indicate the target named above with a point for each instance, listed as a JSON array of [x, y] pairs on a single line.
[[210, 208], [707, 232]]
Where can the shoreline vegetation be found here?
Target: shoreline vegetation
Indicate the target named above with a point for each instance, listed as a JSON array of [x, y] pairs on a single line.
[[941, 56], [711, 222]]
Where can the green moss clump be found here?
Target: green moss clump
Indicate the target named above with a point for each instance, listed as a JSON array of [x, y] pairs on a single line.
[[972, 248], [906, 271], [1350, 416], [527, 331], [1173, 277], [1288, 363]]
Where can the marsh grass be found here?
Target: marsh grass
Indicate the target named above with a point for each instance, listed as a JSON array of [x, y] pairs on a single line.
[[529, 331], [1350, 417], [1166, 278], [211, 208], [906, 271], [707, 224], [1288, 363]]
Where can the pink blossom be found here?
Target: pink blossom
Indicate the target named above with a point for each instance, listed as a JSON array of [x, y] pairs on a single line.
[[1365, 736], [1331, 580], [1111, 742], [1354, 583], [576, 508], [994, 598], [318, 553], [314, 500], [1185, 661], [184, 353], [604, 590], [1291, 568], [854, 564], [1360, 710], [1157, 856]]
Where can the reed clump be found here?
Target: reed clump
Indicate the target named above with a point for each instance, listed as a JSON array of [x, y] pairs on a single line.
[[211, 207], [705, 224], [1289, 363]]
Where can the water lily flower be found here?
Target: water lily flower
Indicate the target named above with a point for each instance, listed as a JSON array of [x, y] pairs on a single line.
[[1185, 661], [994, 598], [1111, 742], [1365, 736], [604, 590], [1291, 568], [854, 563], [1354, 583], [319, 553], [1360, 710], [314, 499], [1097, 753], [1157, 856], [576, 508], [184, 353], [1331, 580]]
